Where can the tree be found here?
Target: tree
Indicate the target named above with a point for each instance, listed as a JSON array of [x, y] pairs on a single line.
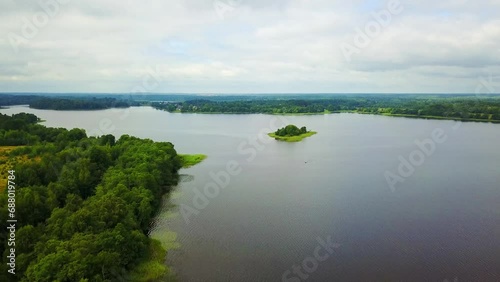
[[84, 204], [291, 130]]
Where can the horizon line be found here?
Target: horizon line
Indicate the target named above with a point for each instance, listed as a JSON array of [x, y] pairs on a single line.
[[249, 93]]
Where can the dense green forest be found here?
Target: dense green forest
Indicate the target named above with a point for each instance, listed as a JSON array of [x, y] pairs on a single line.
[[424, 106], [80, 104], [291, 130], [83, 204], [9, 100], [450, 106], [66, 103]]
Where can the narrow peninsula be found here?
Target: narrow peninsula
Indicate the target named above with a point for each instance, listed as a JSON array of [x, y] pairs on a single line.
[[291, 133], [188, 161]]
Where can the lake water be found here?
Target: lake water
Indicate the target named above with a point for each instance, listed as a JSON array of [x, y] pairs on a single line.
[[285, 200]]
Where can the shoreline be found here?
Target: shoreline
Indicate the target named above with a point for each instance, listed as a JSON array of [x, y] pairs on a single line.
[[287, 114], [340, 112]]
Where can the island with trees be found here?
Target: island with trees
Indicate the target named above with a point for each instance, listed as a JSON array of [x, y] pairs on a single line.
[[291, 133]]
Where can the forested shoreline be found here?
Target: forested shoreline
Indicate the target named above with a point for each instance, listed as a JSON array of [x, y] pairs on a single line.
[[483, 108], [80, 104], [66, 103], [465, 108], [83, 204]]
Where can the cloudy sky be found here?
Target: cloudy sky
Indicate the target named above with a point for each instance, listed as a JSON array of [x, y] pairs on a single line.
[[250, 46]]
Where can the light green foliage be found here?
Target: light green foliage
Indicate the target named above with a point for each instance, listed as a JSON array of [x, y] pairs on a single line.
[[191, 160]]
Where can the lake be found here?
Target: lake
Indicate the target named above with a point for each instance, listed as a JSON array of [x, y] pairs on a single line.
[[323, 209]]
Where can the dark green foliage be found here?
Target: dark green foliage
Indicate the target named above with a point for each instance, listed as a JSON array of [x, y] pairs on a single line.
[[107, 140], [464, 107], [83, 205], [67, 102], [80, 104], [9, 99], [22, 129], [13, 130], [291, 130]]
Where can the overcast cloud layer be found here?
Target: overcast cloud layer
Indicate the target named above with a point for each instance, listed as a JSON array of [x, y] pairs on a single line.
[[252, 46]]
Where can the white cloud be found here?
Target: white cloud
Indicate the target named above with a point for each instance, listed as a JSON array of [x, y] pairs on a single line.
[[259, 46]]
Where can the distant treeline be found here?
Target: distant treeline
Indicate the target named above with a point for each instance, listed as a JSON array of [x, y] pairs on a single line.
[[83, 204], [10, 100], [63, 103], [452, 107], [80, 104]]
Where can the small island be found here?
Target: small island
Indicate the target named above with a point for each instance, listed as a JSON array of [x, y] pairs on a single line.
[[291, 133]]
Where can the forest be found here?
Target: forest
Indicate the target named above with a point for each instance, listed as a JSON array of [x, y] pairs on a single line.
[[80, 104], [83, 204], [66, 103], [291, 130], [465, 107]]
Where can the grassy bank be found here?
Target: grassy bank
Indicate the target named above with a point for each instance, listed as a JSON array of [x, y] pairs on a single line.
[[153, 267], [191, 160], [297, 138]]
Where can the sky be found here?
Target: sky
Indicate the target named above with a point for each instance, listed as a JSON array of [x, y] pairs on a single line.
[[250, 46]]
